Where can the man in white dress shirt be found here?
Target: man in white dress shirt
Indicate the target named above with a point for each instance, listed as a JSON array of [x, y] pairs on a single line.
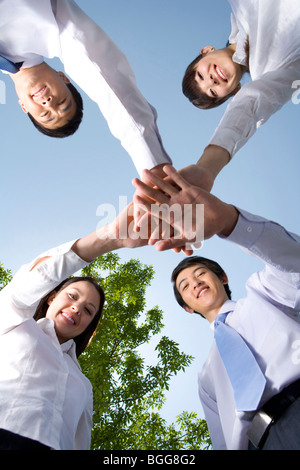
[[267, 318], [34, 30]]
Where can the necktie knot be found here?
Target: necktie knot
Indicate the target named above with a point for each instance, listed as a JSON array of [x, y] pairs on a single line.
[[9, 66], [220, 318]]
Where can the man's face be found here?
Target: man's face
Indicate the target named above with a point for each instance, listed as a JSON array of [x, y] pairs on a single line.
[[44, 94], [202, 290], [216, 74]]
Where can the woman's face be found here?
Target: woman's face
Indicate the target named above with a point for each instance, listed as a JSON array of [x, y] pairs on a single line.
[[73, 308], [216, 74]]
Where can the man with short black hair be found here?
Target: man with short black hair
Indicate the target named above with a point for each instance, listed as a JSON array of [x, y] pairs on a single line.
[[35, 30], [250, 383], [51, 102]]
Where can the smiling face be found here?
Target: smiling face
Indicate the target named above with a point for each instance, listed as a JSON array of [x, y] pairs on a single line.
[[202, 290], [73, 309], [44, 94], [216, 74]]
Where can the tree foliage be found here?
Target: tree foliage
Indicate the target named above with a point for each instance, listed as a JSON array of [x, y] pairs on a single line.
[[128, 392], [5, 276]]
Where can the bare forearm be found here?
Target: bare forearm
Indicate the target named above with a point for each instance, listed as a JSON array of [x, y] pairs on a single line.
[[214, 159], [96, 244], [118, 234]]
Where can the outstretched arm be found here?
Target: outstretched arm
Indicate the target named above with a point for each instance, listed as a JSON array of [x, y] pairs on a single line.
[[99, 67], [39, 277], [118, 234]]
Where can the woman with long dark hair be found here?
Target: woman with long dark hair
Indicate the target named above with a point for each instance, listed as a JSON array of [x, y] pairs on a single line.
[[47, 319]]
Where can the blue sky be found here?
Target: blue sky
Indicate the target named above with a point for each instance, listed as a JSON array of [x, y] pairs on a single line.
[[50, 190]]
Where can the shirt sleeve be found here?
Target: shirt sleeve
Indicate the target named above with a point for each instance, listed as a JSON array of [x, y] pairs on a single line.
[[279, 250], [20, 298], [252, 106], [102, 71]]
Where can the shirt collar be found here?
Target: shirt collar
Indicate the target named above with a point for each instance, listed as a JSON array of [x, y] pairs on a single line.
[[241, 55], [69, 347], [227, 307]]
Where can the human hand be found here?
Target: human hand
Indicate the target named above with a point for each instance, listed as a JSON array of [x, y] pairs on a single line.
[[117, 234], [191, 223], [197, 175], [138, 212], [122, 231]]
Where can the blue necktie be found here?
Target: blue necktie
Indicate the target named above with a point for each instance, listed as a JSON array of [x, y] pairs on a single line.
[[9, 66], [247, 380]]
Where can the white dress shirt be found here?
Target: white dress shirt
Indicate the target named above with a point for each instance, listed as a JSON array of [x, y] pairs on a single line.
[[32, 30], [272, 30], [43, 393], [267, 318]]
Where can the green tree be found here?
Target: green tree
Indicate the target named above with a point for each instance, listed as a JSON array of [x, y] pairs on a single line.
[[128, 393], [5, 276]]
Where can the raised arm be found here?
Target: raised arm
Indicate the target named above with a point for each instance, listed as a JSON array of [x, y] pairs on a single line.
[[118, 234], [279, 250], [250, 108], [44, 273], [99, 67]]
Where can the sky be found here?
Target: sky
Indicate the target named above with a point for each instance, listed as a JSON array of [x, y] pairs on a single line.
[[50, 189]]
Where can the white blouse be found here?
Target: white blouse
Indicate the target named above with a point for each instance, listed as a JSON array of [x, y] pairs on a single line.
[[272, 31], [43, 394]]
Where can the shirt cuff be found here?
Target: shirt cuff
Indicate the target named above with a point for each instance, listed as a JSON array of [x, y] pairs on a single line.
[[229, 140], [248, 229], [147, 153]]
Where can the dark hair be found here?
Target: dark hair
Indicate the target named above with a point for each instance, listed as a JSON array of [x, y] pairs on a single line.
[[192, 92], [85, 337], [193, 261], [69, 128]]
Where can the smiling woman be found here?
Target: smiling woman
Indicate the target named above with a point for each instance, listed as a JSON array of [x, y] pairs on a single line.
[[212, 78], [216, 73], [47, 320], [75, 306]]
